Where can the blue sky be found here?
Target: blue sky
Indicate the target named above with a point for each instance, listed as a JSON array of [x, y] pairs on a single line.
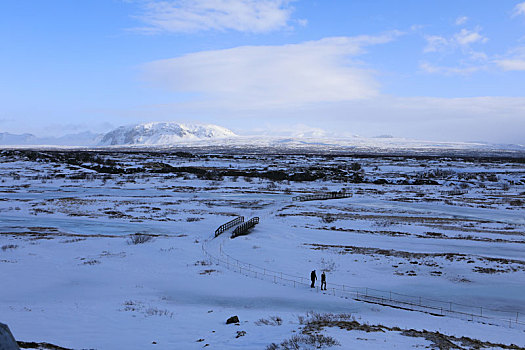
[[439, 70]]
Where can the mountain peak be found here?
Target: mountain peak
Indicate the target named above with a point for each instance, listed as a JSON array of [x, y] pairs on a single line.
[[164, 133]]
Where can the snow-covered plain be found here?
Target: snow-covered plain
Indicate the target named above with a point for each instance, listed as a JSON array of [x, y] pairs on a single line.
[[72, 276]]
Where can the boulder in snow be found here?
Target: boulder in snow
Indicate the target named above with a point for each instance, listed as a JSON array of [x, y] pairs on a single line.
[[233, 319]]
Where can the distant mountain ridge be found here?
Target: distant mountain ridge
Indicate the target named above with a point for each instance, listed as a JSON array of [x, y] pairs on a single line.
[[16, 139], [164, 133], [167, 135], [85, 138]]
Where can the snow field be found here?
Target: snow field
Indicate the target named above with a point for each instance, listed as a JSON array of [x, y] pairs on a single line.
[[71, 277]]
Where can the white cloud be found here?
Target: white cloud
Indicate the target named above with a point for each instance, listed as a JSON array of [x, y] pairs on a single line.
[[466, 37], [458, 44], [515, 64], [462, 39], [435, 43], [464, 70], [519, 9], [461, 20], [265, 76], [478, 56], [254, 16], [514, 60]]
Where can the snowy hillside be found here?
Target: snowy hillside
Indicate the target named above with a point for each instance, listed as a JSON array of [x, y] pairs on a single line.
[[164, 134]]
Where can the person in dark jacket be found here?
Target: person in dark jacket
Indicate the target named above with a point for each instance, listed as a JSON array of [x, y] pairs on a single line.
[[313, 277], [323, 281]]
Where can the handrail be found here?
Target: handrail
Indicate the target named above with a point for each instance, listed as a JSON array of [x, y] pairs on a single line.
[[229, 225], [322, 196], [243, 228]]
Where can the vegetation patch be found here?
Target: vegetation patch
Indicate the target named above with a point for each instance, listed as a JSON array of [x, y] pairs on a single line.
[[139, 238]]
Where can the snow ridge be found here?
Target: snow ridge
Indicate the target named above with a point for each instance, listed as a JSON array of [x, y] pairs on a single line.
[[164, 133]]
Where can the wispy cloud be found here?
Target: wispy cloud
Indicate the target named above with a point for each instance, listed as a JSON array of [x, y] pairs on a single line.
[[461, 20], [515, 64], [466, 37], [458, 47], [430, 68], [255, 16], [519, 9], [265, 76], [513, 61], [462, 39], [435, 43]]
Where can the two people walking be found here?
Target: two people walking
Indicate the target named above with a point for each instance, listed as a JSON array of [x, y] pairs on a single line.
[[313, 278]]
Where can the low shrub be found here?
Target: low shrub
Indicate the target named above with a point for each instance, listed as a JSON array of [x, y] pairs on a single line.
[[139, 238]]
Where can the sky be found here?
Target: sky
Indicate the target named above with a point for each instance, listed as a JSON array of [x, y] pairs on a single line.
[[422, 69]]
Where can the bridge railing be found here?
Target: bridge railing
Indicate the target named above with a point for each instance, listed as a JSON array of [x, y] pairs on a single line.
[[229, 225], [322, 196], [243, 228]]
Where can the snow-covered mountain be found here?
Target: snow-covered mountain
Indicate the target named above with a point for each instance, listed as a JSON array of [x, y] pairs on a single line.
[[173, 135], [16, 139], [85, 138], [164, 133]]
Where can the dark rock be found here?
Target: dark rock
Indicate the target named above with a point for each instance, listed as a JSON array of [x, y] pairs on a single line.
[[7, 341], [233, 319], [381, 181], [240, 334]]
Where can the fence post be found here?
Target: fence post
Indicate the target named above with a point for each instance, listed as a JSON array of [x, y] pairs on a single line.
[[481, 311], [390, 295], [517, 317], [366, 292], [450, 309], [419, 301]]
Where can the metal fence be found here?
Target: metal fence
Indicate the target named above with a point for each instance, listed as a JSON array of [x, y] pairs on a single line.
[[371, 295], [322, 196], [229, 225], [454, 192], [243, 228]]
